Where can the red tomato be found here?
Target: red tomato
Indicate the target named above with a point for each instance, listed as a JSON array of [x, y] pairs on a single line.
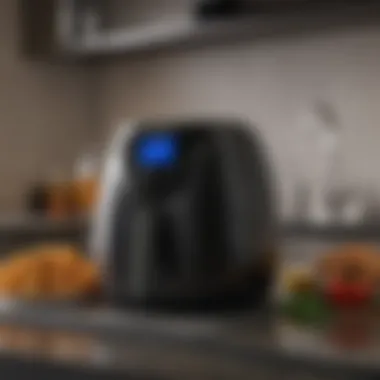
[[349, 294]]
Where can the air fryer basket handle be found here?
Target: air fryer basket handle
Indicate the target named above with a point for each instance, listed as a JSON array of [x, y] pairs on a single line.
[[141, 249], [189, 220]]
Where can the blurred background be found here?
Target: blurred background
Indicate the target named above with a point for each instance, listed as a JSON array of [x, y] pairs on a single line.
[[302, 73], [145, 59]]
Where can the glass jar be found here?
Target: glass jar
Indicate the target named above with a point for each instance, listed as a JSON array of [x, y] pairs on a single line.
[[85, 184]]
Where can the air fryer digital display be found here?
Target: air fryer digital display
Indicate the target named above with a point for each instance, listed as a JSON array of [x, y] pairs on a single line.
[[157, 150]]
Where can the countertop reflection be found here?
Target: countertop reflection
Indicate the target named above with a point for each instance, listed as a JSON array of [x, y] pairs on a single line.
[[239, 346], [148, 355]]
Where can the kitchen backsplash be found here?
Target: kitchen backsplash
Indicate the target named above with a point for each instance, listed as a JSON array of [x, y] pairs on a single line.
[[272, 82]]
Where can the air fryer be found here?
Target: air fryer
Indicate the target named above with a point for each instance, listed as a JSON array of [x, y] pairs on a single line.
[[188, 215]]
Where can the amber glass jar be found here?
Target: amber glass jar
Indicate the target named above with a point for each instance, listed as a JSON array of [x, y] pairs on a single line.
[[85, 194], [59, 203], [85, 183]]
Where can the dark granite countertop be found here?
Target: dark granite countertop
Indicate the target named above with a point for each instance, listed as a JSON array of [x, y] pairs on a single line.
[[363, 231], [102, 341], [25, 222], [14, 225]]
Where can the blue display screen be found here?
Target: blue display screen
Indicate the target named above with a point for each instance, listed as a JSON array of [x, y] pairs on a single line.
[[157, 150]]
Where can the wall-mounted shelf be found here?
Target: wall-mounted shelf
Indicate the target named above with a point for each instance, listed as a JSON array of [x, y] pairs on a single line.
[[90, 39], [154, 37]]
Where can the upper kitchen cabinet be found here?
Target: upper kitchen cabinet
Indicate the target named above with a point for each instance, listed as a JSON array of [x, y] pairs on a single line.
[[79, 29]]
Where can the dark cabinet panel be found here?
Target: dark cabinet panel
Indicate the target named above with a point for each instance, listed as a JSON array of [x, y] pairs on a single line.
[[47, 27], [76, 29]]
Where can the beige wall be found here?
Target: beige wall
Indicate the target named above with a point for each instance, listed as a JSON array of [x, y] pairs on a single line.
[[44, 113], [270, 81], [49, 113]]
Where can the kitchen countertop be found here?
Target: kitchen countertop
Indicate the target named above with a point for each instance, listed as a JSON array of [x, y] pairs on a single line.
[[90, 342], [115, 343], [24, 222]]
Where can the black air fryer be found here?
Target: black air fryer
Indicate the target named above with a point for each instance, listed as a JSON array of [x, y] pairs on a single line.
[[186, 218]]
